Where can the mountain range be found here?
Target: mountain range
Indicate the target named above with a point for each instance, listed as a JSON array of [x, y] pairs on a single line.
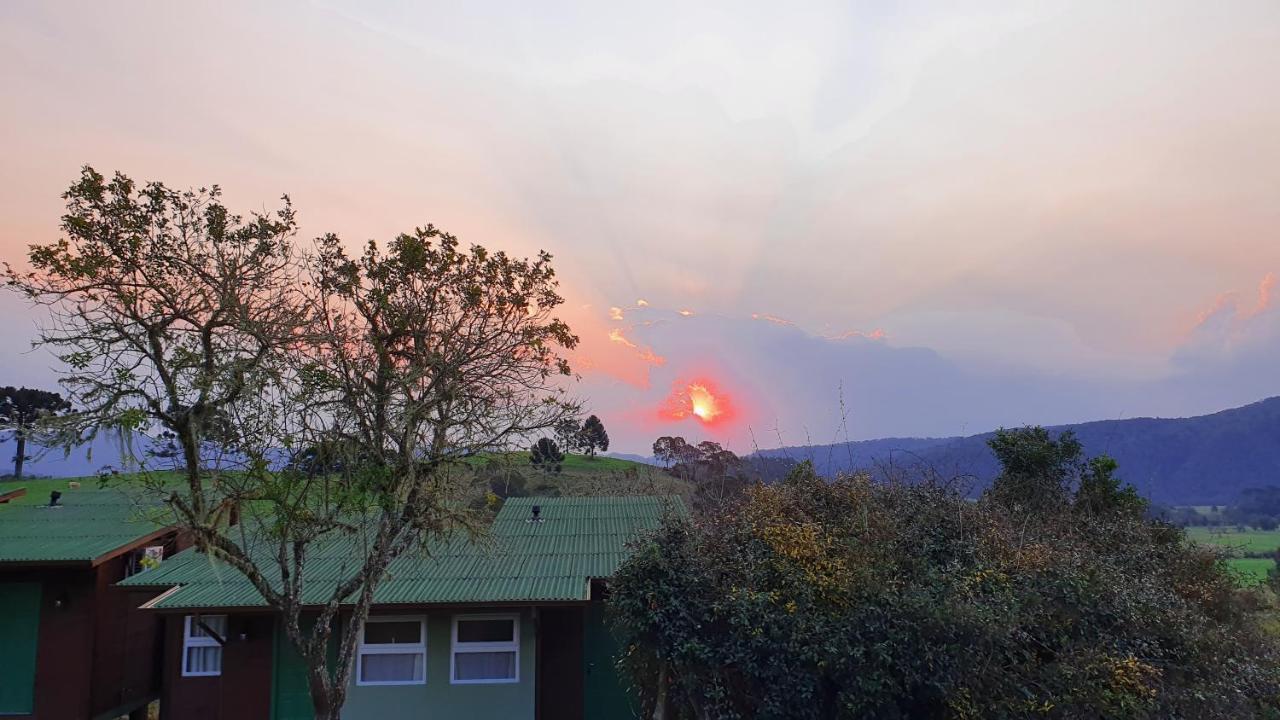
[[1202, 460]]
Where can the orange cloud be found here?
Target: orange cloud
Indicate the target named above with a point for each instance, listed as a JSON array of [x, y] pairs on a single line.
[[771, 318], [686, 312], [1228, 303], [642, 303], [1264, 295], [615, 313], [877, 334], [616, 336], [644, 353]]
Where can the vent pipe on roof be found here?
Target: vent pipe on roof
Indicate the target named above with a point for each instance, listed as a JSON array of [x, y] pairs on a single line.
[[53, 498], [537, 514]]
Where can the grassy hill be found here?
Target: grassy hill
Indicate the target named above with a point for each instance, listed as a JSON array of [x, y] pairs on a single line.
[[511, 473], [579, 475]]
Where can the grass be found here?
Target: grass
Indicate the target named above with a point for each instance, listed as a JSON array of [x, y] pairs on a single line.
[[1253, 571], [1237, 544], [1251, 540], [579, 475], [38, 489]]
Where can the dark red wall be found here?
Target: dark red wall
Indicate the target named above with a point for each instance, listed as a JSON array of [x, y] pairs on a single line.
[[126, 649], [97, 652], [64, 653], [243, 690]]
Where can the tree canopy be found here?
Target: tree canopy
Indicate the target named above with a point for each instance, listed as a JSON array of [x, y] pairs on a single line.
[[592, 436], [22, 411], [850, 598], [314, 394], [545, 456]]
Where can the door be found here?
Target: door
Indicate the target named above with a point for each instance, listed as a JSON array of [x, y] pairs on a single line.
[[20, 629]]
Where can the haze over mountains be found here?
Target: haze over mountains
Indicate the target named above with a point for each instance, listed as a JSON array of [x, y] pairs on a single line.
[[1207, 459]]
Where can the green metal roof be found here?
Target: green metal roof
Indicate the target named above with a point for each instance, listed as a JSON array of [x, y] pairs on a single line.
[[85, 525], [577, 539]]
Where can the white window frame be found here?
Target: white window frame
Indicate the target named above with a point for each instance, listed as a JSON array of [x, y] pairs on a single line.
[[419, 648], [194, 641], [480, 647]]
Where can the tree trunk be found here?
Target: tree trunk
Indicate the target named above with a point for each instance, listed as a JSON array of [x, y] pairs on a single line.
[[21, 456], [660, 705], [322, 694]]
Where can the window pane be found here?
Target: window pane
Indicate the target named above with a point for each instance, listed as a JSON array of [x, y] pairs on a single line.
[[400, 631], [391, 668], [501, 630], [204, 659], [217, 622], [484, 666]]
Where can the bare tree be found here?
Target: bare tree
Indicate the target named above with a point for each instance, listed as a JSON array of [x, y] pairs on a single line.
[[372, 376]]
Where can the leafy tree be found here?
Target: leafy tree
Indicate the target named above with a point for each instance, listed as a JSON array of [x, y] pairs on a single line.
[[669, 450], [566, 433], [503, 478], [1037, 470], [1100, 492], [851, 598], [21, 412], [545, 456], [173, 314], [592, 436]]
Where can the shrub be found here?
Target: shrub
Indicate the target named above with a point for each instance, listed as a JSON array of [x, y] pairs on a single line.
[[852, 599]]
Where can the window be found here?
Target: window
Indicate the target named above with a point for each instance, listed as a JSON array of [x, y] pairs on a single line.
[[144, 559], [393, 651], [201, 650], [486, 649]]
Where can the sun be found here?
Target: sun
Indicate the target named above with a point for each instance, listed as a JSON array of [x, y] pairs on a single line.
[[703, 403], [699, 399]]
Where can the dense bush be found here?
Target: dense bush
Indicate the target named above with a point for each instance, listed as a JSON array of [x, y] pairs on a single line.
[[854, 599]]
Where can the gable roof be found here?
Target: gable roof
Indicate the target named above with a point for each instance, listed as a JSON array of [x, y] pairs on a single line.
[[87, 525], [553, 560]]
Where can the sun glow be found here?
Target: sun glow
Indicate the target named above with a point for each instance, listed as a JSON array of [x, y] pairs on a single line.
[[699, 399], [704, 403]]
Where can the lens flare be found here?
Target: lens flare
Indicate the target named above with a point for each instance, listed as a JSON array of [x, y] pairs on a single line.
[[699, 399], [703, 403]]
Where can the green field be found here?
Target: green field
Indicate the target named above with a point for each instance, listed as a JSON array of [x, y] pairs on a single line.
[[38, 489], [1249, 541], [1253, 570]]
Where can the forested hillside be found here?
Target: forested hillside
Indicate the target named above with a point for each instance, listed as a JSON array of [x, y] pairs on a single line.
[[1184, 461]]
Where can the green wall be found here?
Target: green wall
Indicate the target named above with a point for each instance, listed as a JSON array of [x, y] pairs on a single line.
[[604, 694], [439, 700], [20, 632]]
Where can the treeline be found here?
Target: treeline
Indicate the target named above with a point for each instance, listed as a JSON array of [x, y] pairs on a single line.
[[716, 474], [1258, 508]]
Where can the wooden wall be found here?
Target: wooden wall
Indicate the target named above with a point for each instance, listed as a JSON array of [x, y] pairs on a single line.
[[243, 690]]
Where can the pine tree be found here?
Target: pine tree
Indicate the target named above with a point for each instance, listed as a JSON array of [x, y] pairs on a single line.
[[592, 436]]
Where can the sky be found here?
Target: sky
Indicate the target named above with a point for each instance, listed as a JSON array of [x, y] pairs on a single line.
[[772, 224]]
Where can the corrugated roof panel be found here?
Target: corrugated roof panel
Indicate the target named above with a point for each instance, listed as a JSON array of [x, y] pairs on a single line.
[[553, 560], [86, 524]]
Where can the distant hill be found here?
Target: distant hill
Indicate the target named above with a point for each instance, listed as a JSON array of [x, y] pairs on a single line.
[[1207, 459], [643, 459]]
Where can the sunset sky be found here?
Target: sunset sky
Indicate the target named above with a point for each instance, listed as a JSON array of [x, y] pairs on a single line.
[[924, 220]]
